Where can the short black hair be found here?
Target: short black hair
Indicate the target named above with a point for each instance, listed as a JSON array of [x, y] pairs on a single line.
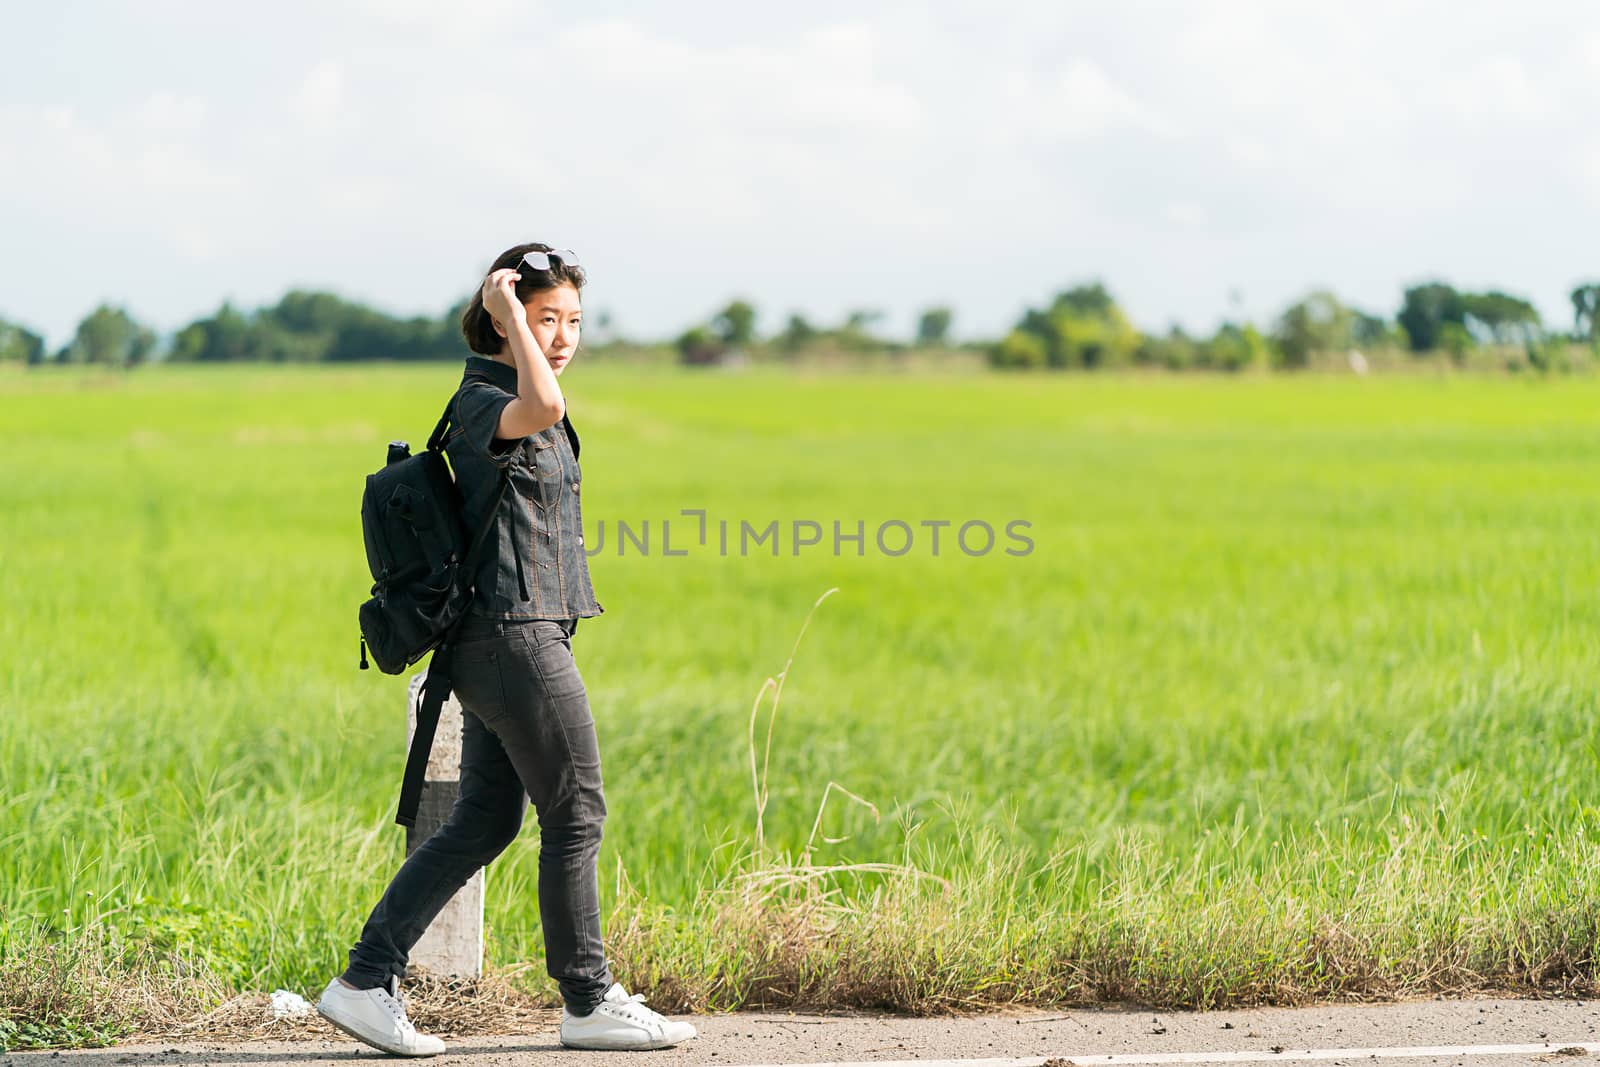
[[477, 325]]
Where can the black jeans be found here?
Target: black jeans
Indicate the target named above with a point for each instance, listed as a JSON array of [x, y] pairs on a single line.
[[526, 733]]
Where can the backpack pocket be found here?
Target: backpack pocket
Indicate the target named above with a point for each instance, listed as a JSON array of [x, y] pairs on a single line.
[[403, 623]]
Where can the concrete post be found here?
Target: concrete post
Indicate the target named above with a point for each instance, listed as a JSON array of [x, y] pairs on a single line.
[[453, 944]]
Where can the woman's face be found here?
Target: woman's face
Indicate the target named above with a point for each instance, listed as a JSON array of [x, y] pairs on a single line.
[[555, 318]]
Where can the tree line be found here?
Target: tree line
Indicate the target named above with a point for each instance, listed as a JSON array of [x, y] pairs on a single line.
[[302, 327], [1082, 328]]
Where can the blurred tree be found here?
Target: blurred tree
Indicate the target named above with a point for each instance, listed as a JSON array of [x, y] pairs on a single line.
[[364, 333], [109, 335], [1235, 348], [1176, 351], [1506, 319], [736, 324], [797, 333], [1548, 353], [310, 326], [223, 337], [1019, 349], [1586, 312], [1425, 311], [1082, 327], [698, 345], [20, 344], [1372, 331], [310, 312], [1092, 299], [1455, 339], [856, 333], [450, 324], [1318, 323], [933, 326]]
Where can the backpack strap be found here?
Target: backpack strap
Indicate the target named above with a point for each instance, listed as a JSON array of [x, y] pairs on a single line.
[[434, 689], [436, 438], [438, 682], [437, 685]]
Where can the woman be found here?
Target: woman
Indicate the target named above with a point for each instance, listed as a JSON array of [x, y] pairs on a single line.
[[527, 732]]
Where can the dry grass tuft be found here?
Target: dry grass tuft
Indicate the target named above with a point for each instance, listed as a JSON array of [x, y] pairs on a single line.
[[93, 987], [437, 1004]]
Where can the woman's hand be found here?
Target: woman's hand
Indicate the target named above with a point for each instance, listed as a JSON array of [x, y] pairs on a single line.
[[500, 298]]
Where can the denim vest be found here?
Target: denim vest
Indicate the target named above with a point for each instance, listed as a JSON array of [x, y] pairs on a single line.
[[532, 564]]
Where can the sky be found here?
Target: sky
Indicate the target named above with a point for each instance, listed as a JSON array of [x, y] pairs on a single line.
[[1207, 160]]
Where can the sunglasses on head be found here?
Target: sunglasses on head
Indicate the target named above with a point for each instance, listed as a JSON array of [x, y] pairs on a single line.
[[541, 260]]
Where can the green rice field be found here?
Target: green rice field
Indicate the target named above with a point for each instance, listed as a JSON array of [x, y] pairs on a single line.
[[1291, 694]]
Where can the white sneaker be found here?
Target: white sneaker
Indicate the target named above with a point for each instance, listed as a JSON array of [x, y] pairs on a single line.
[[377, 1017], [622, 1022]]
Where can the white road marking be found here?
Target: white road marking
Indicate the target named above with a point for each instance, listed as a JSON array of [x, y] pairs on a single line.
[[1246, 1056]]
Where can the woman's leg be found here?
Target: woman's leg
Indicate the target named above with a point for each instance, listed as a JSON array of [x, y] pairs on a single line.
[[485, 819], [548, 733]]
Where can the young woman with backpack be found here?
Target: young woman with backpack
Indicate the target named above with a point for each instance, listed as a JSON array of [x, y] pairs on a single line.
[[527, 733]]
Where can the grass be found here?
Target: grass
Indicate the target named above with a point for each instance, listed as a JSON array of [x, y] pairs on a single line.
[[1292, 698]]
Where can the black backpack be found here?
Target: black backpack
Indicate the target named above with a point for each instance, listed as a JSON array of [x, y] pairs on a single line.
[[422, 561]]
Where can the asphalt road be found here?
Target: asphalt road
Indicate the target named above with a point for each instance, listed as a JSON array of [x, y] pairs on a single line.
[[1473, 1033]]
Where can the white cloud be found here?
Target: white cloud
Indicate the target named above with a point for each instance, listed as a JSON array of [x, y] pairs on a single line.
[[165, 112], [1177, 150], [1185, 214], [319, 102], [826, 81], [1589, 161], [1492, 91], [434, 21], [1250, 152], [1081, 101], [1589, 49]]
